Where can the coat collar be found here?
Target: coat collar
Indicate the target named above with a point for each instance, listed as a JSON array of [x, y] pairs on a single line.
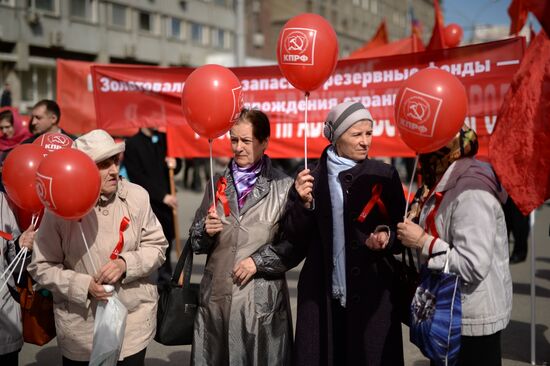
[[121, 192], [260, 190]]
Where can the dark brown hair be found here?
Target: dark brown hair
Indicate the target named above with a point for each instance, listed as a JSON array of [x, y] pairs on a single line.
[[260, 123], [51, 106], [7, 115]]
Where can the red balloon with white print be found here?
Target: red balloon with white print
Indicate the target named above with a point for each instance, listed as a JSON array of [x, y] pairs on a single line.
[[430, 109], [307, 51]]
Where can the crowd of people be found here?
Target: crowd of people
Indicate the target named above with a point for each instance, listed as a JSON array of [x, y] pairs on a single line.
[[343, 216]]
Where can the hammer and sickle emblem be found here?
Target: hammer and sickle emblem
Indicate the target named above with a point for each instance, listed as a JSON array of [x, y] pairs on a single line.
[[417, 109]]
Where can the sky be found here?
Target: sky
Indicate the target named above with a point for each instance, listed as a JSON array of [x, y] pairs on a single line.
[[466, 13]]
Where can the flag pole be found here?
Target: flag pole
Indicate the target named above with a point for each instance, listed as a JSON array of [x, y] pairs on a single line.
[[174, 211], [533, 288]]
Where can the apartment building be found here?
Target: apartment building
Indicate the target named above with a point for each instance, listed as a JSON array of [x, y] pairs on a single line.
[[34, 33]]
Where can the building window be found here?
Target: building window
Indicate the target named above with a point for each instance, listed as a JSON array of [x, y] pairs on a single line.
[[38, 83], [196, 32], [84, 9], [227, 40], [119, 16], [7, 2], [220, 38], [205, 36], [175, 28], [147, 22], [220, 2], [365, 4], [49, 6], [374, 6]]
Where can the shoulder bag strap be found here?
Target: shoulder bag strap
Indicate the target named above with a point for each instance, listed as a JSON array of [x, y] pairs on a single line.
[[185, 264]]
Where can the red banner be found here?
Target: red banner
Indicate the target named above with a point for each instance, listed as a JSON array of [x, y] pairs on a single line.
[[134, 96], [76, 99], [75, 96]]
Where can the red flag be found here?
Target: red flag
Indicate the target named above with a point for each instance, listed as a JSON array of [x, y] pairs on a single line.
[[518, 16], [541, 10], [437, 41], [380, 38], [520, 145], [401, 46]]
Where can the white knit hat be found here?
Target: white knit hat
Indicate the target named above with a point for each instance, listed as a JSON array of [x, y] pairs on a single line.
[[98, 145], [342, 117]]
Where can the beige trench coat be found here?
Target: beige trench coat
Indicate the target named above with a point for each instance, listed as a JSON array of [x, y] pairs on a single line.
[[60, 264], [251, 324]]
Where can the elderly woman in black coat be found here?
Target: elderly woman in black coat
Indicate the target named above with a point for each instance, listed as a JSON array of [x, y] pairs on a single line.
[[342, 218]]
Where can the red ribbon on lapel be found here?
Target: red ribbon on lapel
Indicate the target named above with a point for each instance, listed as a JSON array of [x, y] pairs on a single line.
[[430, 220], [374, 200], [5, 235], [118, 248], [221, 196]]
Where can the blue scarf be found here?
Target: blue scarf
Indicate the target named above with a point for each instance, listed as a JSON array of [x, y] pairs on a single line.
[[335, 165], [245, 178]]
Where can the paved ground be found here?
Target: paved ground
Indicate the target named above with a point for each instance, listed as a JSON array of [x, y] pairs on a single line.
[[515, 339]]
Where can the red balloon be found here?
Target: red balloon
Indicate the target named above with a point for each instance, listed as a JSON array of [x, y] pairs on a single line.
[[68, 183], [453, 35], [307, 51], [18, 175], [24, 217], [212, 100], [53, 141], [430, 108]]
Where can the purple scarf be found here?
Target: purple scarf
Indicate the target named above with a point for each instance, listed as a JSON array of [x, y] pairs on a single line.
[[245, 178]]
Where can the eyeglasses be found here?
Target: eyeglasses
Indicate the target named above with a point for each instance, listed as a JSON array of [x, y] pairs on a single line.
[[5, 127]]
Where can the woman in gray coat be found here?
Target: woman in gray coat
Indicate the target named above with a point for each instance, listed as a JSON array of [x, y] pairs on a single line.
[[461, 220], [11, 332], [244, 313]]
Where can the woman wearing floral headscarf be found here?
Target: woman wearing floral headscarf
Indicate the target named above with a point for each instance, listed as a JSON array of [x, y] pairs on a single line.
[[459, 212]]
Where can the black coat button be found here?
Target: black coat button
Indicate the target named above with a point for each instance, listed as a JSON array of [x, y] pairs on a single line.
[[355, 298], [354, 244], [348, 178], [355, 271]]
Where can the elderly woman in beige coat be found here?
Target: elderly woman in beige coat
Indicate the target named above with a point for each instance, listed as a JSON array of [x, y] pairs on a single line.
[[244, 314], [60, 262]]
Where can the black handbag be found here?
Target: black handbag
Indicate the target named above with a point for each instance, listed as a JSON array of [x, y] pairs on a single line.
[[177, 305], [409, 278]]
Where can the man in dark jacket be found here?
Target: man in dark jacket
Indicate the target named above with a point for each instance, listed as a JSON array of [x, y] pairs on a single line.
[[45, 118], [147, 165]]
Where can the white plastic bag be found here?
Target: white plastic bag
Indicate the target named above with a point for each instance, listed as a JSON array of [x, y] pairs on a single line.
[[109, 327]]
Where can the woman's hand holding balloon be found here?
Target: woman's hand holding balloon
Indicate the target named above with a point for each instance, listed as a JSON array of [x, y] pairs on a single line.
[[213, 224], [411, 234], [304, 187]]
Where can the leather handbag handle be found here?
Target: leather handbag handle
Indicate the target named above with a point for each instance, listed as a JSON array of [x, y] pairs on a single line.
[[185, 265]]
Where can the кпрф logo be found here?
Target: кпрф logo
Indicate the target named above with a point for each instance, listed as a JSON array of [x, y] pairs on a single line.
[[418, 112], [298, 46]]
